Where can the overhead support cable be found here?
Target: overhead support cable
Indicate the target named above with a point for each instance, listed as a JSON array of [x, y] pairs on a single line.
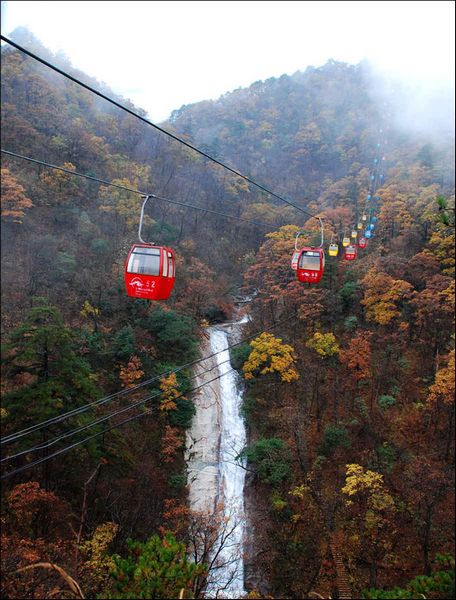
[[127, 189], [98, 421], [157, 127], [59, 418], [91, 437]]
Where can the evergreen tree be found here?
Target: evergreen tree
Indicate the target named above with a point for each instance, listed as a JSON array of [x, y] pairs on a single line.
[[49, 377]]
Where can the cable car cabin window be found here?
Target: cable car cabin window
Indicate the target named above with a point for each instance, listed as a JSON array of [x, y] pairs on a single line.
[[144, 261], [170, 265], [165, 264], [310, 261]]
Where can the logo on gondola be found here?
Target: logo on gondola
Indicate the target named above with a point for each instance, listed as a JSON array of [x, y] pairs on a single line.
[[136, 281]]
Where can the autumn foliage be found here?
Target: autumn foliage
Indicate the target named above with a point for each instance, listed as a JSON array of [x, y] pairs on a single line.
[[348, 386], [269, 355], [14, 203]]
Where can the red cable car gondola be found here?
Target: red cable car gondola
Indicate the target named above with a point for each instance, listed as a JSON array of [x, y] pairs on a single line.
[[311, 265], [311, 261], [149, 270], [362, 242], [350, 253]]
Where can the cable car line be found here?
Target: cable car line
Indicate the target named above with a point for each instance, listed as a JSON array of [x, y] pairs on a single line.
[[15, 436], [375, 179], [67, 448], [77, 430], [362, 230], [150, 123], [127, 189]]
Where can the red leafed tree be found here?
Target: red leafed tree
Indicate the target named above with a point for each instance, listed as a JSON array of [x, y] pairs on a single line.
[[170, 443], [357, 357], [37, 512]]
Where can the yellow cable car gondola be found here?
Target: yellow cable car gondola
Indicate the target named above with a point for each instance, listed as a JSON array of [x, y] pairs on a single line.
[[360, 225], [346, 242], [354, 234], [333, 249]]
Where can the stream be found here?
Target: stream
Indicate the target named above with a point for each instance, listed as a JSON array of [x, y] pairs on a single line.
[[216, 481]]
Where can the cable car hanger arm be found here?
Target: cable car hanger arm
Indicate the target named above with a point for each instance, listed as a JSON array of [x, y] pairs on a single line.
[[146, 198]]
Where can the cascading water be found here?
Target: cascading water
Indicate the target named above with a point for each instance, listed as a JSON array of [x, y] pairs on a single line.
[[216, 480]]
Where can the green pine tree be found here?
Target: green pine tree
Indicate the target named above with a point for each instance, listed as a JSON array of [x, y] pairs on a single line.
[[49, 378]]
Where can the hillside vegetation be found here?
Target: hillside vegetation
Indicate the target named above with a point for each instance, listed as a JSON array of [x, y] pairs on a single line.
[[349, 401]]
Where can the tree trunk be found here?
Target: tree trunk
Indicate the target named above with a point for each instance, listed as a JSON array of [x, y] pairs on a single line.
[[426, 539], [373, 574], [450, 435]]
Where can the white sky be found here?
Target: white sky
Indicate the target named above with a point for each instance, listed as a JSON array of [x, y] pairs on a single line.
[[162, 55]]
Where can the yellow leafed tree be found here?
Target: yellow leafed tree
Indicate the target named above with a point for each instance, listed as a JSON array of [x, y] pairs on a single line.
[[444, 385], [369, 484], [90, 312], [383, 296], [123, 203], [57, 180], [269, 355], [170, 392], [97, 563], [324, 344], [442, 246]]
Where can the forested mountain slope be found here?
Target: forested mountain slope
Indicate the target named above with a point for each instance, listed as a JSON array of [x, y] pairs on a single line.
[[351, 436]]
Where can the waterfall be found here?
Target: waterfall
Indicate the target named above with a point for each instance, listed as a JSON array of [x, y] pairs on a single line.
[[216, 481]]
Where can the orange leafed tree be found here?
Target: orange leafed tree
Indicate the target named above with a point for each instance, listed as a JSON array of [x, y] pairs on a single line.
[[14, 202], [31, 506], [130, 374], [383, 296], [60, 186], [441, 246]]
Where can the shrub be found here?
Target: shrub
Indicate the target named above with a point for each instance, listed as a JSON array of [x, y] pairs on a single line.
[[386, 401], [239, 355], [154, 569], [333, 437], [351, 323], [271, 459]]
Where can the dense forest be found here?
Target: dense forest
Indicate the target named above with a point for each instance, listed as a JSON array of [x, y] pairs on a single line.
[[348, 401]]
